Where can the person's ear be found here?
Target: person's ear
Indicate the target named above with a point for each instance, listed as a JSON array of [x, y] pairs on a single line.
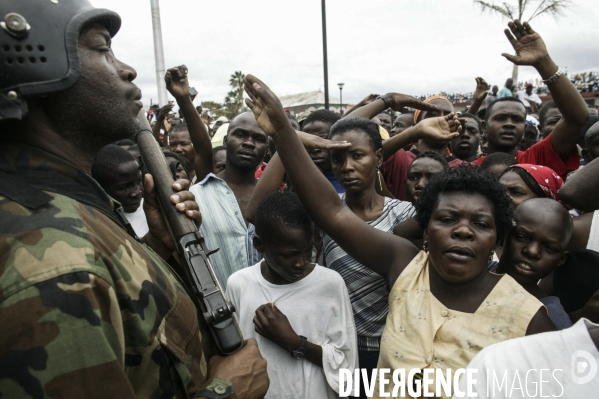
[[425, 235], [379, 157], [586, 155], [484, 123], [257, 241], [563, 259], [225, 139]]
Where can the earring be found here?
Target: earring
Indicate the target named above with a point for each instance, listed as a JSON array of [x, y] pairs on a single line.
[[425, 246], [492, 254], [378, 172]]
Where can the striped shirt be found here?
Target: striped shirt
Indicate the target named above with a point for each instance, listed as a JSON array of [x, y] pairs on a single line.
[[223, 227], [367, 290]]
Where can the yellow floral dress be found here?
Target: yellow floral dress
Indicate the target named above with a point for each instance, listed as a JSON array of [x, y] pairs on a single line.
[[422, 333]]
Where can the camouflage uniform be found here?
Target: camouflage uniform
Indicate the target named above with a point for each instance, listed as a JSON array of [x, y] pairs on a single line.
[[85, 310]]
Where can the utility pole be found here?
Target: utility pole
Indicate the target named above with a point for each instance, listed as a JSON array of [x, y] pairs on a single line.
[[158, 54], [324, 51]]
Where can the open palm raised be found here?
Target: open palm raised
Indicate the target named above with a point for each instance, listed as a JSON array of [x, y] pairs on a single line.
[[528, 44]]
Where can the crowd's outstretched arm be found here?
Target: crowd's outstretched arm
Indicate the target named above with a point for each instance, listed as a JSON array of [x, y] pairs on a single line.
[[531, 50], [383, 253], [178, 85]]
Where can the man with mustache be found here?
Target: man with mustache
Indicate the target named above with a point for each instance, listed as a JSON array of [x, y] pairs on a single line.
[[86, 309]]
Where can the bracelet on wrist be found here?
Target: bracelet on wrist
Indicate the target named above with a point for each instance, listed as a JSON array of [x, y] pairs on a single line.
[[385, 100], [555, 76]]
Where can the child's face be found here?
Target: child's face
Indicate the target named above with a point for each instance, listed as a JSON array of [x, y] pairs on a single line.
[[125, 185], [287, 252], [535, 246]]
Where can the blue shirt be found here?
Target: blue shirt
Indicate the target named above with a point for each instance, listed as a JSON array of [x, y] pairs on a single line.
[[223, 227], [331, 177]]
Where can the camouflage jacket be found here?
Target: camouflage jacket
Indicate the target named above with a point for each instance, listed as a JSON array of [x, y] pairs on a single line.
[[86, 311]]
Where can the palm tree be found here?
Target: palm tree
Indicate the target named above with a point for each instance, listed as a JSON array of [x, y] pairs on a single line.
[[236, 82], [553, 8]]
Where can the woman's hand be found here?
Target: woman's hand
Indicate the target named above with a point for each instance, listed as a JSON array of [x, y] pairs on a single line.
[[265, 105], [528, 44], [313, 142], [443, 128]]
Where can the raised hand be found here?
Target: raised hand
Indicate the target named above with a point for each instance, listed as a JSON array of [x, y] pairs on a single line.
[[206, 118], [265, 105], [176, 81], [400, 101], [443, 128], [482, 89], [163, 112], [528, 44], [313, 142]]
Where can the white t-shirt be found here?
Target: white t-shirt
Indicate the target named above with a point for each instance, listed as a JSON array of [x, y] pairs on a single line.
[[566, 361], [318, 308], [138, 220]]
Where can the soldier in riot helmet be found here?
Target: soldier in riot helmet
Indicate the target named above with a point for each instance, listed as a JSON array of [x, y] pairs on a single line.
[[87, 310]]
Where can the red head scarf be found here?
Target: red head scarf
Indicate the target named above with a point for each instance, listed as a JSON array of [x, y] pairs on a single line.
[[548, 180]]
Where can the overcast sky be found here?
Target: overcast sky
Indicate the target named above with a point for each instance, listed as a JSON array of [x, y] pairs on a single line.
[[374, 46]]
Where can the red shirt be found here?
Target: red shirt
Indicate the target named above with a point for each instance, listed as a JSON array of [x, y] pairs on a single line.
[[542, 153], [395, 172], [259, 172]]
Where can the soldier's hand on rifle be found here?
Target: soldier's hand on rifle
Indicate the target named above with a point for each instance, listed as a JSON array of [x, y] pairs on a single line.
[[245, 370], [159, 237]]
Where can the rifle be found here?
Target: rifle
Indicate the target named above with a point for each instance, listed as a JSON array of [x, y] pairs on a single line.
[[201, 280]]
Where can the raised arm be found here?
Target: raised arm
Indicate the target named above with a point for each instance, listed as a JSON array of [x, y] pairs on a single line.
[[365, 101], [480, 93], [375, 249], [442, 128], [160, 118], [580, 191], [178, 85], [530, 50]]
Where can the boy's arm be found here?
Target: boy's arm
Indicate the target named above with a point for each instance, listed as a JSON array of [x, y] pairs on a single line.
[[530, 50], [178, 85]]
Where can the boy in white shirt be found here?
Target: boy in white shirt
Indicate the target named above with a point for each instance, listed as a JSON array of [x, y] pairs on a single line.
[[299, 312]]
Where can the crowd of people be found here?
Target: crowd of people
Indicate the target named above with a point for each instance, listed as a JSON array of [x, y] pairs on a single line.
[[402, 235], [584, 82]]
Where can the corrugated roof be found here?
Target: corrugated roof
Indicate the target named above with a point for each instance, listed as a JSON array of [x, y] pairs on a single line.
[[311, 97]]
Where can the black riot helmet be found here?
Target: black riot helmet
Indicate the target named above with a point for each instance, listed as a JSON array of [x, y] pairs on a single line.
[[39, 48]]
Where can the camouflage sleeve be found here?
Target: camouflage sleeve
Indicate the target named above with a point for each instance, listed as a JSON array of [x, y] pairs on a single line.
[[63, 338]]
